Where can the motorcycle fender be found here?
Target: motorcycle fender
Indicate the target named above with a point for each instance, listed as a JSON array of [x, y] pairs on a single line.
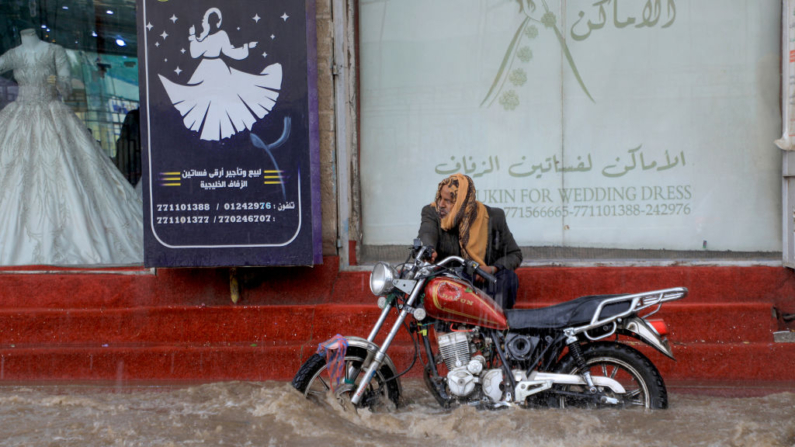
[[639, 328], [574, 379], [372, 350]]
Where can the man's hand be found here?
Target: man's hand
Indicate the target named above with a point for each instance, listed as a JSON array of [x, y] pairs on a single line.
[[490, 269], [433, 256]]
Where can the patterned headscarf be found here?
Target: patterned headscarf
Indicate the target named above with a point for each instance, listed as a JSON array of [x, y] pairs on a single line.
[[468, 215]]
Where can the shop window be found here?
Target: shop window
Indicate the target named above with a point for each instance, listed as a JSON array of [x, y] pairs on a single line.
[[69, 142], [603, 129]]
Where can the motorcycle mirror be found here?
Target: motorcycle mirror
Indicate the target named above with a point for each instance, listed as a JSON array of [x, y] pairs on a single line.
[[417, 243]]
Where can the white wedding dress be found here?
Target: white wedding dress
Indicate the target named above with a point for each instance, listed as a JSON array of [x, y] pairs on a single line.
[[62, 200], [218, 100]]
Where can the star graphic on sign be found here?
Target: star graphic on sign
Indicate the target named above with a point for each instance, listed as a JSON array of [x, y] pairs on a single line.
[[284, 16], [177, 71], [272, 37], [164, 35], [264, 54], [173, 18], [182, 51], [157, 44], [149, 26], [256, 18], [165, 60]]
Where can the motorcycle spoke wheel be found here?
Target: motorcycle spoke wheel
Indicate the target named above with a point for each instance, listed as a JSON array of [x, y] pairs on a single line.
[[313, 381], [643, 385], [637, 393]]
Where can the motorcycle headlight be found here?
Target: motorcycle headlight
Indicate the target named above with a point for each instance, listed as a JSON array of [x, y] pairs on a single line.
[[381, 279]]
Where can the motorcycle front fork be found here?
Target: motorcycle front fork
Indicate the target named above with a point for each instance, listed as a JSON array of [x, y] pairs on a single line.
[[378, 359]]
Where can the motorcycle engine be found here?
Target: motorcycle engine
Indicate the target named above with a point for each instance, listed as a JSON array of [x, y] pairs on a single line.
[[468, 374], [463, 369], [454, 348]]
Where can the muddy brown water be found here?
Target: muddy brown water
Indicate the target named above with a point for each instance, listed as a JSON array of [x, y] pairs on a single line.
[[273, 414]]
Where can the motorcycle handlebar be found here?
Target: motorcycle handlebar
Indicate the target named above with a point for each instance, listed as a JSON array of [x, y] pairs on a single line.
[[487, 276]]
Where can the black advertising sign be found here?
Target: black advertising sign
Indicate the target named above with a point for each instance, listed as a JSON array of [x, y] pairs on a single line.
[[230, 134]]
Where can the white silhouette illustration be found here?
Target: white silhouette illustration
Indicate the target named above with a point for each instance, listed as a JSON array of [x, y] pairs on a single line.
[[218, 100]]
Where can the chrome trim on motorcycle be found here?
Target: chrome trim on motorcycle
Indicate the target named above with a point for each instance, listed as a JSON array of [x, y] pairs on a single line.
[[527, 388], [382, 278], [372, 349], [379, 356], [575, 379], [538, 382], [450, 259], [645, 332], [379, 323], [638, 302]]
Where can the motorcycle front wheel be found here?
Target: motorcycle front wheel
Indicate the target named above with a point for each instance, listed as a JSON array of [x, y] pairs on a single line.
[[640, 378], [312, 380]]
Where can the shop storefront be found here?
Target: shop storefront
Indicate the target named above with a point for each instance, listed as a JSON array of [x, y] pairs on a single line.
[[606, 130], [630, 143]]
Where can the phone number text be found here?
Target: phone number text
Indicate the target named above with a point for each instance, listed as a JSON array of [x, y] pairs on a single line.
[[180, 220], [666, 209]]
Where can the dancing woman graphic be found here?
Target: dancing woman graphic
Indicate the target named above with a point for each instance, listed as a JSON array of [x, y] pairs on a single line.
[[218, 100]]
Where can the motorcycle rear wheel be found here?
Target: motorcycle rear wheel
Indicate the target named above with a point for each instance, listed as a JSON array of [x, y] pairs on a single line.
[[313, 382], [642, 381]]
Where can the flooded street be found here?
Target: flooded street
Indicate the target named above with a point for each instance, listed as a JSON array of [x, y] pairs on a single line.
[[272, 413]]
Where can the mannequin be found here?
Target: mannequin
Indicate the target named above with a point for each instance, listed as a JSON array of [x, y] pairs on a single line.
[[63, 201]]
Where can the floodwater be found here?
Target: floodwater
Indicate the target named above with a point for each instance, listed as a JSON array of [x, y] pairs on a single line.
[[273, 414]]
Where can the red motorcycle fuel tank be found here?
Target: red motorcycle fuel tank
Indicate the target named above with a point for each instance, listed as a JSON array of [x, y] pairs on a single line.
[[454, 300]]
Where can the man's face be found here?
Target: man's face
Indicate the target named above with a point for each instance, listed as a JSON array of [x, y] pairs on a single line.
[[446, 201]]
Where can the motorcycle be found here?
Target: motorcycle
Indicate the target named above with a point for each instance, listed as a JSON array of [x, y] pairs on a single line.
[[565, 355]]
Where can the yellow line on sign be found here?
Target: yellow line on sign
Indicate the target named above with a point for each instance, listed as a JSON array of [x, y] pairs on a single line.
[[272, 176], [273, 183], [171, 184], [169, 173], [171, 178], [272, 172]]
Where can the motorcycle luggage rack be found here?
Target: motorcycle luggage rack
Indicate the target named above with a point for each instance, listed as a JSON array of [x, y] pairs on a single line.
[[638, 302]]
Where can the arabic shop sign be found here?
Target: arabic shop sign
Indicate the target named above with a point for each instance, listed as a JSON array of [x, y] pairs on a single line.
[[635, 160], [608, 123], [230, 128]]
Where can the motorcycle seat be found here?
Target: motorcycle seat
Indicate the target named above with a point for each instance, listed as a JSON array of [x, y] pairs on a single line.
[[576, 312]]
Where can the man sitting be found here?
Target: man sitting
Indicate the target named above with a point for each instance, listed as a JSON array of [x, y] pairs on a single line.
[[456, 224]]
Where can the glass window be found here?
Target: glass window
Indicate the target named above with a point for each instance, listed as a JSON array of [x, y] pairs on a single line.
[[69, 143], [603, 129]]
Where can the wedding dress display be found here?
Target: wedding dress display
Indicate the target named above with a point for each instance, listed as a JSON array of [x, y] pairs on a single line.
[[63, 202], [219, 100]]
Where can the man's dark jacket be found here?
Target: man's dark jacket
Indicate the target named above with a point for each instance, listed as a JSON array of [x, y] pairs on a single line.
[[501, 250]]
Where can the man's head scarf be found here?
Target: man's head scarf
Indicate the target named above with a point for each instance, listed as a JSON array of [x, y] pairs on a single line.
[[468, 215]]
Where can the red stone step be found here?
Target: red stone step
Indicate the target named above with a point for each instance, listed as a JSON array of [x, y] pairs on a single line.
[[128, 288], [706, 284], [136, 324], [727, 323], [759, 362], [192, 325]]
